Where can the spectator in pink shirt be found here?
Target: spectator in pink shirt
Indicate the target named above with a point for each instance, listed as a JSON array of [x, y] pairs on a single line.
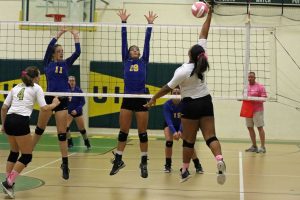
[[256, 90]]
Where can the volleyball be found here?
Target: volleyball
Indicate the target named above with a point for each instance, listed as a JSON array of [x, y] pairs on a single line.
[[199, 9]]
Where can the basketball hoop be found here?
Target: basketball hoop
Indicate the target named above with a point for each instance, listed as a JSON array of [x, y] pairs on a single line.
[[57, 18]]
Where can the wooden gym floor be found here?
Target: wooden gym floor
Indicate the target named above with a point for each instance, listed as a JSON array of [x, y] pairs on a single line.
[[271, 176]]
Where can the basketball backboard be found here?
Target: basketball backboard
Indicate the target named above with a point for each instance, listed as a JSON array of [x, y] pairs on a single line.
[[70, 11]]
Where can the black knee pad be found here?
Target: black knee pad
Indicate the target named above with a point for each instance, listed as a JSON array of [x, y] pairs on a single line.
[[39, 131], [62, 137], [187, 144], [25, 159], [143, 137], [169, 144], [83, 132], [210, 140], [68, 129], [122, 136], [13, 157]]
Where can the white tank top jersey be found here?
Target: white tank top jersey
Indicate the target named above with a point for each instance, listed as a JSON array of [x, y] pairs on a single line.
[[190, 86], [21, 99]]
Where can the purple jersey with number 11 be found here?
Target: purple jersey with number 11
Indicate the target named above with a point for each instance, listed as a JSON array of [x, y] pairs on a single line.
[[57, 72]]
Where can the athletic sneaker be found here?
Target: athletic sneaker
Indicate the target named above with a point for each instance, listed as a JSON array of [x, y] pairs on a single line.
[[87, 143], [251, 149], [117, 165], [184, 176], [144, 170], [8, 189], [261, 150], [167, 169], [70, 143], [221, 178], [199, 169], [65, 171]]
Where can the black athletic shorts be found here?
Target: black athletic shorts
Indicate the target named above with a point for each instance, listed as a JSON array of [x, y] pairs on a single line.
[[16, 125], [134, 104], [64, 102], [197, 108], [74, 116]]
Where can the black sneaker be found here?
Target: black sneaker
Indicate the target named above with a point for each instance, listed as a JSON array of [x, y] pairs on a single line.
[[199, 169], [65, 171], [167, 169], [118, 164], [87, 143], [8, 189], [184, 176], [144, 170], [70, 143]]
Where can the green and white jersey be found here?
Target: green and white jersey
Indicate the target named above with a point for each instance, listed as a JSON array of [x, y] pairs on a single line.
[[21, 99]]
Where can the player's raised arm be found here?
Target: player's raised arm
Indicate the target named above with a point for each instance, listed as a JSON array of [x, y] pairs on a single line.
[[124, 16], [206, 24]]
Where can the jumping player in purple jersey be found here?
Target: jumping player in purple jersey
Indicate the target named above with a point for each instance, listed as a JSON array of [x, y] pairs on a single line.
[[56, 70], [135, 68]]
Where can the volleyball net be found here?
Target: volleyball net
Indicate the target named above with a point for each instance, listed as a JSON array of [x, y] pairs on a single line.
[[233, 51]]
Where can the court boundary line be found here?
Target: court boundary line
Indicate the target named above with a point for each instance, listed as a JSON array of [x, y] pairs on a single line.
[[45, 165], [241, 172]]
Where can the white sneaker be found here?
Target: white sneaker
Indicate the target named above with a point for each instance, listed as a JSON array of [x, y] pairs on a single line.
[[261, 150], [221, 178], [251, 149]]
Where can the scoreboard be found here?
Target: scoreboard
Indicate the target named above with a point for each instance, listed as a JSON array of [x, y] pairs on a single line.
[[295, 3]]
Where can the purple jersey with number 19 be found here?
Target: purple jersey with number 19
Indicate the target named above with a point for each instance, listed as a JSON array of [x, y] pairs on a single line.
[[135, 70]]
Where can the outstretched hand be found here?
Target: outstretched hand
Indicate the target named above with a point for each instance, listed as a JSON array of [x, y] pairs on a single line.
[[150, 103], [75, 34], [60, 33], [151, 17], [122, 14], [210, 9]]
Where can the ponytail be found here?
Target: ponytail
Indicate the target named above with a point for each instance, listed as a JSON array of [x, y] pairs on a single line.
[[200, 66], [199, 58], [29, 74]]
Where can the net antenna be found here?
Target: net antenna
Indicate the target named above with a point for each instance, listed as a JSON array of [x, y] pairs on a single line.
[[247, 50]]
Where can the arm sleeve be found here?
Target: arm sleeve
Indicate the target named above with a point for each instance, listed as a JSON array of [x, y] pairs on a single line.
[[168, 115], [49, 51], [81, 103], [40, 97], [146, 51], [178, 77], [125, 53], [8, 99], [180, 127], [75, 55]]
